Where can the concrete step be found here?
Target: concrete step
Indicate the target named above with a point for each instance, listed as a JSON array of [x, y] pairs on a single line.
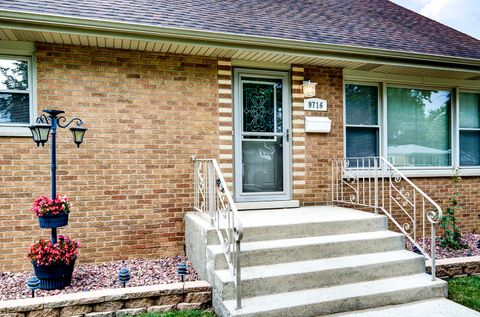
[[273, 224], [294, 276], [440, 307], [329, 300], [263, 225], [309, 248]]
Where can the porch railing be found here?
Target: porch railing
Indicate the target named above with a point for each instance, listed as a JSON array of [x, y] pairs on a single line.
[[373, 182], [211, 196]]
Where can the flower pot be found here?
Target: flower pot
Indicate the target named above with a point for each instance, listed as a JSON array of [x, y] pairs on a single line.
[[55, 276], [53, 221]]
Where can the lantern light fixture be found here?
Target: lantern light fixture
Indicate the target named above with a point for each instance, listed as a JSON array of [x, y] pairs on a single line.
[[40, 133], [309, 89], [78, 133]]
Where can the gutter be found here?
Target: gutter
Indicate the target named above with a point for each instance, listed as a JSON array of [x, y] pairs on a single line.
[[98, 27]]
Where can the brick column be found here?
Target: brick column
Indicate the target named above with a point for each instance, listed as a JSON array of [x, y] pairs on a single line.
[[225, 118], [298, 133]]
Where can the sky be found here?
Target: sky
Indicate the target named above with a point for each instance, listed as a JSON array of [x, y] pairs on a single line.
[[462, 15]]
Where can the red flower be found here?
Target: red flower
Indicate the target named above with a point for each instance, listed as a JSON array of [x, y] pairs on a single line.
[[43, 253]]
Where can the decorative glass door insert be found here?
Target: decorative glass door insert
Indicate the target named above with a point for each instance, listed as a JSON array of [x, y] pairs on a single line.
[[262, 151]]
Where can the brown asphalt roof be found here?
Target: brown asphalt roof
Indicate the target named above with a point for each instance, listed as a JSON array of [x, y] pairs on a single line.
[[363, 23]]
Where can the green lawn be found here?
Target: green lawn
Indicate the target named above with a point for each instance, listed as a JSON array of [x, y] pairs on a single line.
[[183, 313], [465, 291]]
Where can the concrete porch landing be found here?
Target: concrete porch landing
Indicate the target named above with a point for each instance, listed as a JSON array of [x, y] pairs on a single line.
[[307, 214], [310, 261]]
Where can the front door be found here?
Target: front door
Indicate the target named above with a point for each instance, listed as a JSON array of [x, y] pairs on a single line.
[[262, 135]]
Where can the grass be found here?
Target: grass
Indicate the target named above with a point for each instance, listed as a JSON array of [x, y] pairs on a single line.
[[465, 291], [181, 313]]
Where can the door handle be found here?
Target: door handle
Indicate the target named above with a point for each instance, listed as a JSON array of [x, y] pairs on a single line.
[[287, 135]]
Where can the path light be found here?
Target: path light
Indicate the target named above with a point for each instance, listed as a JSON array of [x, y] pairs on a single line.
[[33, 283], [123, 276], [416, 250], [308, 89], [182, 270]]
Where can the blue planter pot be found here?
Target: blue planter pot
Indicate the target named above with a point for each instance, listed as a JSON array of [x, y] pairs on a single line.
[[55, 221], [54, 276]]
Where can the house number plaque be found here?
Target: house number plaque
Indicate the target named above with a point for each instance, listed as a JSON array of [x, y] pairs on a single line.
[[315, 104]]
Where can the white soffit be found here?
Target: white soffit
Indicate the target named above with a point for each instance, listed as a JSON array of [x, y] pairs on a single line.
[[7, 34]]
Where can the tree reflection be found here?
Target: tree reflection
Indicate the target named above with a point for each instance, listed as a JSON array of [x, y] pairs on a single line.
[[14, 107]]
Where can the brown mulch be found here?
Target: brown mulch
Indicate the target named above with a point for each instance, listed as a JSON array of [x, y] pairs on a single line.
[[98, 276], [469, 239]]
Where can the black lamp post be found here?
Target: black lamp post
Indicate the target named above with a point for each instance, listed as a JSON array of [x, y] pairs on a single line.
[[40, 132]]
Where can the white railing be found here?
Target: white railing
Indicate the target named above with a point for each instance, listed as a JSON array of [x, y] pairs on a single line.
[[211, 196], [373, 182]]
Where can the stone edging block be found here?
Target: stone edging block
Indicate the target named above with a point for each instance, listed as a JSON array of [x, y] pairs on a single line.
[[200, 291]]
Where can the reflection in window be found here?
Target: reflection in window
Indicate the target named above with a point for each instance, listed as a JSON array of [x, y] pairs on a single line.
[[418, 127], [14, 92], [362, 129], [469, 129]]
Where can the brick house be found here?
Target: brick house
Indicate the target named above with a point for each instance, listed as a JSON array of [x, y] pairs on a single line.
[[158, 83]]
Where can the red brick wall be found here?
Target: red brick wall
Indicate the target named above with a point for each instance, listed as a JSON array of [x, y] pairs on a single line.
[[131, 181]]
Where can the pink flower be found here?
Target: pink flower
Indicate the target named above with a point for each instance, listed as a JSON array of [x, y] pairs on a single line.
[[43, 205]]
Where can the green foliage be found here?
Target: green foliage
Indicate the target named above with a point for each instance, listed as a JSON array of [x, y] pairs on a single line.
[[181, 313], [451, 234], [465, 291]]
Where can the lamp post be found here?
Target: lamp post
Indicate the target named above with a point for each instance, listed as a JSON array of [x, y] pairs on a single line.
[[48, 122]]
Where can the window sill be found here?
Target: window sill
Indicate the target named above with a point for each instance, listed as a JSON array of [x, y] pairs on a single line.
[[21, 132], [417, 173]]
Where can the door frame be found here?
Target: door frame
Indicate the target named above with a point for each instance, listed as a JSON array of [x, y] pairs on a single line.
[[286, 194]]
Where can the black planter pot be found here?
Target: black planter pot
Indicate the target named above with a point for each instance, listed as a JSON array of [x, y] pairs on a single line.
[[54, 276], [50, 221]]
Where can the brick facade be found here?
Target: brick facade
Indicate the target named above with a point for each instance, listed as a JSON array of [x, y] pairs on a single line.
[[147, 114], [131, 180]]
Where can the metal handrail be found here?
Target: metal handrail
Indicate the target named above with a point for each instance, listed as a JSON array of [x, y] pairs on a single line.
[[374, 182], [211, 196]]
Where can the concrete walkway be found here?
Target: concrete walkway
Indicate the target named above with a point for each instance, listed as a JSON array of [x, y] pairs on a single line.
[[428, 308]]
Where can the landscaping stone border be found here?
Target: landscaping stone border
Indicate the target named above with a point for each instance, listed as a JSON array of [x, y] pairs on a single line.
[[453, 267], [116, 302]]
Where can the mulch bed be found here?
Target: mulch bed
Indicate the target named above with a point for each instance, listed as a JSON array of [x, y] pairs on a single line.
[[97, 276], [443, 253]]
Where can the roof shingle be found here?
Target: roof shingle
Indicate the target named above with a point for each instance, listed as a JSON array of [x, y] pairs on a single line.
[[363, 23]]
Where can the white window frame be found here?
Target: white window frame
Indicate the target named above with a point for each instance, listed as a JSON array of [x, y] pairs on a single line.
[[420, 171], [21, 129], [457, 115], [379, 124]]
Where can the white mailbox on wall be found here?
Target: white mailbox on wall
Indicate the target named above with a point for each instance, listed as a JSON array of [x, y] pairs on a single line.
[[318, 124]]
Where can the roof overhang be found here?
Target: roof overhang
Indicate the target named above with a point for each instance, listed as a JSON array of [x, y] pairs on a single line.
[[26, 26]]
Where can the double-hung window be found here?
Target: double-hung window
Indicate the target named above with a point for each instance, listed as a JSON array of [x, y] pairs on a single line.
[[16, 95], [362, 120], [469, 129]]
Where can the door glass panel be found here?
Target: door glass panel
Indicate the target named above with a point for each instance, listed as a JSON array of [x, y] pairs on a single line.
[[262, 165], [262, 152]]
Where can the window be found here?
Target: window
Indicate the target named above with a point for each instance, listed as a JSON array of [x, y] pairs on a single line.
[[362, 124], [418, 127], [16, 106], [469, 129], [424, 131]]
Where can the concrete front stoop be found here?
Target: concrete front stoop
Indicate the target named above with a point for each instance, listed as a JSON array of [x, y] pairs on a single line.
[[311, 261]]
